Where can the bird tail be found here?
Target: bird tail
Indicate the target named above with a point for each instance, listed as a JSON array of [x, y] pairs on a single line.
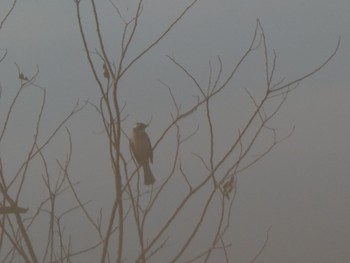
[[148, 176]]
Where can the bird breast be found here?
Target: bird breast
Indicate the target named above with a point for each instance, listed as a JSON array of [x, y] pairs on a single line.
[[141, 145]]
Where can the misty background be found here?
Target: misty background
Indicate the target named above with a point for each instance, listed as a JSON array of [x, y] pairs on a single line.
[[301, 189]]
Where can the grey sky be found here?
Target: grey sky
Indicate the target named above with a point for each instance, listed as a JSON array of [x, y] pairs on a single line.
[[301, 189]]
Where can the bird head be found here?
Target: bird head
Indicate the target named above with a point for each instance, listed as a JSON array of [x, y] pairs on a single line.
[[139, 126]]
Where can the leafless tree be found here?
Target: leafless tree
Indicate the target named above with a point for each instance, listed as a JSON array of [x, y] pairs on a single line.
[[15, 225], [209, 198]]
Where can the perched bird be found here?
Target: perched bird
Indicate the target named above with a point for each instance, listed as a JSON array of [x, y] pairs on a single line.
[[141, 149]]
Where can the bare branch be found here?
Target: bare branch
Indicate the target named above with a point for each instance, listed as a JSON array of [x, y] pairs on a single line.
[[159, 38], [8, 14], [263, 247], [311, 73]]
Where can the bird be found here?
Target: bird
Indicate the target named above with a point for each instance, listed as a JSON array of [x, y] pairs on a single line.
[[141, 149]]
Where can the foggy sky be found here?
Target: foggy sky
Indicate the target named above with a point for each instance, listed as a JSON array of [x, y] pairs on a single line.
[[301, 189]]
